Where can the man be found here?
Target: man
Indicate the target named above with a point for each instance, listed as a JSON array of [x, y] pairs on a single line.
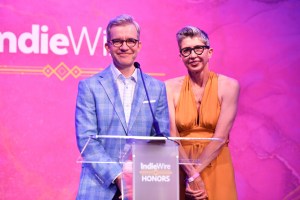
[[114, 102]]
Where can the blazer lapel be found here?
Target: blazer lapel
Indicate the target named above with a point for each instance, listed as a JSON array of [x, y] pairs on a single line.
[[138, 98], [111, 89]]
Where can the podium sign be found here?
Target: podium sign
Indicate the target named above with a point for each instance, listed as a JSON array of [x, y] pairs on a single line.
[[155, 171]]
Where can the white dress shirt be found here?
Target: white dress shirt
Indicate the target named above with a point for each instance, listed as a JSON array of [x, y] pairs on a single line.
[[126, 88]]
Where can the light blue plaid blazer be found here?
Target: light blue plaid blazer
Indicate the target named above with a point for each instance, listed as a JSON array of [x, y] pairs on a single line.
[[99, 111]]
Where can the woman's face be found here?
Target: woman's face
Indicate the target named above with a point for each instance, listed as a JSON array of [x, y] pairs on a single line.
[[199, 55]]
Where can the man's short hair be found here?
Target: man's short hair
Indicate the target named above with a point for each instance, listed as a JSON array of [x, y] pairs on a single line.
[[122, 20]]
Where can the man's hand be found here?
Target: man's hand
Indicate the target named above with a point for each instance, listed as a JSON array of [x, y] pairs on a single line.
[[118, 182], [126, 186]]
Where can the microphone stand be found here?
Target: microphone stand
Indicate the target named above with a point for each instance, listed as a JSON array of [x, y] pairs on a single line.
[[155, 122]]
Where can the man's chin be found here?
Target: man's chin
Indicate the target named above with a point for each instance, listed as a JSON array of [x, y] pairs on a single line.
[[125, 64]]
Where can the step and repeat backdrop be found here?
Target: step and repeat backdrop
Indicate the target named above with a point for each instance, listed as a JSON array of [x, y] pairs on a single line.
[[46, 47]]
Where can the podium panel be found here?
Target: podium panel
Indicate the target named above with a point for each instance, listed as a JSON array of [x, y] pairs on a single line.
[[155, 171]]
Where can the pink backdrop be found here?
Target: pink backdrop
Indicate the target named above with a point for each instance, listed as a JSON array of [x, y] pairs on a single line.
[[255, 41]]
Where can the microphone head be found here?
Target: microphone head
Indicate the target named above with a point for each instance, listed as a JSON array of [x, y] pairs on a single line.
[[136, 65]]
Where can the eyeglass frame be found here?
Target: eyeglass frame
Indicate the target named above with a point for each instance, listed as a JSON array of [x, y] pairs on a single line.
[[203, 47], [113, 42]]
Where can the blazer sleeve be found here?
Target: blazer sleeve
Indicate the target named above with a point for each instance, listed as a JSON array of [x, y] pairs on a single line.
[[86, 125]]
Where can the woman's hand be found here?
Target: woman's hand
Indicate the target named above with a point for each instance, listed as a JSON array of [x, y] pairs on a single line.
[[195, 190]]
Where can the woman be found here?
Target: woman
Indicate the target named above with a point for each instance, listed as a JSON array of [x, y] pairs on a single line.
[[203, 104]]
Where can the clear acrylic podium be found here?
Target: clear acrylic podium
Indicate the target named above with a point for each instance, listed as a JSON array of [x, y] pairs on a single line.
[[150, 164]]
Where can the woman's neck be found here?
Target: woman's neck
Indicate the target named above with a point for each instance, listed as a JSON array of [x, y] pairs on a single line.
[[199, 78]]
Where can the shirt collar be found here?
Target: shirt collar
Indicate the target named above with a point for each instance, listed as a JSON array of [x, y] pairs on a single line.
[[116, 73]]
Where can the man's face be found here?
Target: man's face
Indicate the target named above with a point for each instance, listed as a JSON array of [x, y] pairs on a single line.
[[195, 62], [124, 55]]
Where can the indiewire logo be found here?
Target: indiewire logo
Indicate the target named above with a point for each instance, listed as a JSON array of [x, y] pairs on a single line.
[[158, 172], [38, 41]]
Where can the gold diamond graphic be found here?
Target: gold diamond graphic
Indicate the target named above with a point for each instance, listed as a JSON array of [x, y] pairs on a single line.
[[48, 71], [62, 71], [76, 71]]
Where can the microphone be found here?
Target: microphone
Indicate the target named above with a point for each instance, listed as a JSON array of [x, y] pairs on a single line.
[[155, 122]]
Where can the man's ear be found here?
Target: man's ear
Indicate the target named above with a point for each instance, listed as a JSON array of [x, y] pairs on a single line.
[[107, 47], [140, 46]]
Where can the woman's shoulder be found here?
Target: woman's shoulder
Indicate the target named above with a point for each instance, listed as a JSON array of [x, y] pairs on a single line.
[[174, 82], [228, 85], [173, 86], [227, 81]]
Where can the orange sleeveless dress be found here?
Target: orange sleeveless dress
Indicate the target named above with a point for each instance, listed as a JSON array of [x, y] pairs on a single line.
[[218, 176]]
